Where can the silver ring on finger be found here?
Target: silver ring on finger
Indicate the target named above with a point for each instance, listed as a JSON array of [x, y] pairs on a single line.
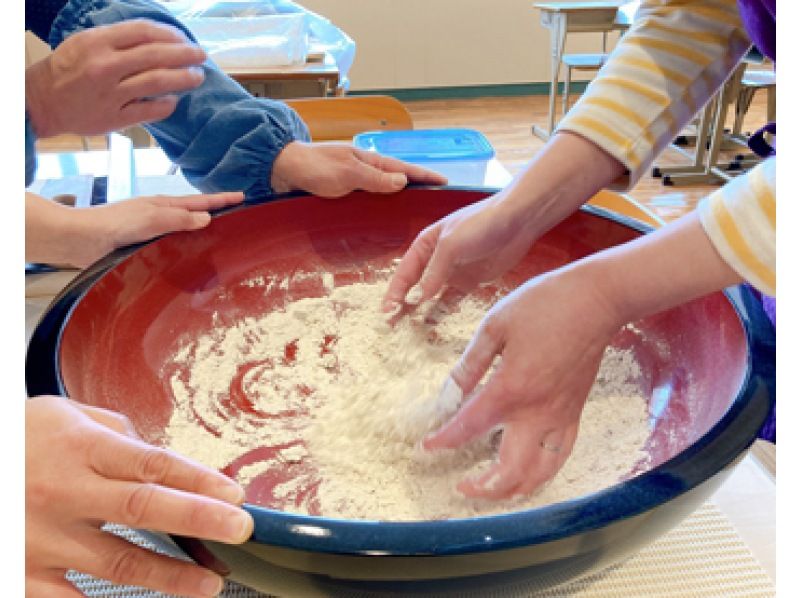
[[549, 446]]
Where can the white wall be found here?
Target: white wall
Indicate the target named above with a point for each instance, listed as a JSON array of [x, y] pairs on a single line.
[[438, 43]]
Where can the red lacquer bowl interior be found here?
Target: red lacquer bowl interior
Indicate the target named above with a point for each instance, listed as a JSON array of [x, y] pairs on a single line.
[[124, 329]]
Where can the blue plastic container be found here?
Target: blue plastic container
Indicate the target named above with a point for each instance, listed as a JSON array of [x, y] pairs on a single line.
[[462, 155]]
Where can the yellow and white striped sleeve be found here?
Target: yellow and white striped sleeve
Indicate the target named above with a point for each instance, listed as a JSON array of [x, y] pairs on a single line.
[[739, 218], [674, 57]]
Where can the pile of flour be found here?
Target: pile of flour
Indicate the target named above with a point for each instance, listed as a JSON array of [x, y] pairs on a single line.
[[326, 391]]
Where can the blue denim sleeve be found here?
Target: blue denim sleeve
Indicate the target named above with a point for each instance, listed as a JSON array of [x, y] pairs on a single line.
[[223, 138]]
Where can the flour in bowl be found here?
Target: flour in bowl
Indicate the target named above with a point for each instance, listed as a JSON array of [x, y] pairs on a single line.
[[319, 408]]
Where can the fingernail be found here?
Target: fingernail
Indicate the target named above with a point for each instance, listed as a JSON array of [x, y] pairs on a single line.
[[211, 585], [239, 526], [478, 485], [389, 306], [450, 397], [489, 483], [425, 440], [198, 74], [414, 296], [230, 492], [399, 180], [397, 307], [201, 219]]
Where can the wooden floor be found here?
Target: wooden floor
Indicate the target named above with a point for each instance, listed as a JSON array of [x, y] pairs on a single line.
[[506, 122]]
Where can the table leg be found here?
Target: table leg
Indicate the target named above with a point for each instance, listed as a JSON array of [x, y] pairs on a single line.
[[706, 170], [701, 147], [557, 24]]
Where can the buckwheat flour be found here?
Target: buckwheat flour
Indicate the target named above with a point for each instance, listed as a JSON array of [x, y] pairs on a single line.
[[329, 403]]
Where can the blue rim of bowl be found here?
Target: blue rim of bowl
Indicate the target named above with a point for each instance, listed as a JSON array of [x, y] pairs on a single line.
[[709, 455]]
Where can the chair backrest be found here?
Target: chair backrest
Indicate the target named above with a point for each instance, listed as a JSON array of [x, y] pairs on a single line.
[[339, 118], [627, 206]]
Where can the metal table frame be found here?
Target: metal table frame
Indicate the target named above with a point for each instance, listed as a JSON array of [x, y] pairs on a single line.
[[561, 18]]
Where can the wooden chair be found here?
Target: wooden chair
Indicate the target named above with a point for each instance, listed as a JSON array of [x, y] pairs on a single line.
[[340, 118], [330, 118], [627, 206]]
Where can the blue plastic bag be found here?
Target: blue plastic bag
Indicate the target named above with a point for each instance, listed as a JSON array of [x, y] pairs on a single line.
[[324, 35]]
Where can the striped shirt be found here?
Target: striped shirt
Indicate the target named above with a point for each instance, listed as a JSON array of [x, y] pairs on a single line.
[[675, 56]]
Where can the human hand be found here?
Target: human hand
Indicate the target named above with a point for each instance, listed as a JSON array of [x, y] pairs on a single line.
[[480, 242], [475, 244], [336, 169], [550, 334], [112, 226], [85, 466], [110, 77], [80, 236]]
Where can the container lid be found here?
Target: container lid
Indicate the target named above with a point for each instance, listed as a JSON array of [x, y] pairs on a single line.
[[427, 144]]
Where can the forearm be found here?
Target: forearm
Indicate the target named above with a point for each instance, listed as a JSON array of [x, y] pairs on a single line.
[[658, 271], [223, 138], [50, 230], [565, 174], [36, 99], [740, 219], [664, 69]]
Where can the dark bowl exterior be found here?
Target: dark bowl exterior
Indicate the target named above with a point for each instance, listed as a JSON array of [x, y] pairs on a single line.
[[535, 567]]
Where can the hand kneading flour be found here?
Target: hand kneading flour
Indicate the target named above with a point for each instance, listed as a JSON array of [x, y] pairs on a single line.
[[320, 408]]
